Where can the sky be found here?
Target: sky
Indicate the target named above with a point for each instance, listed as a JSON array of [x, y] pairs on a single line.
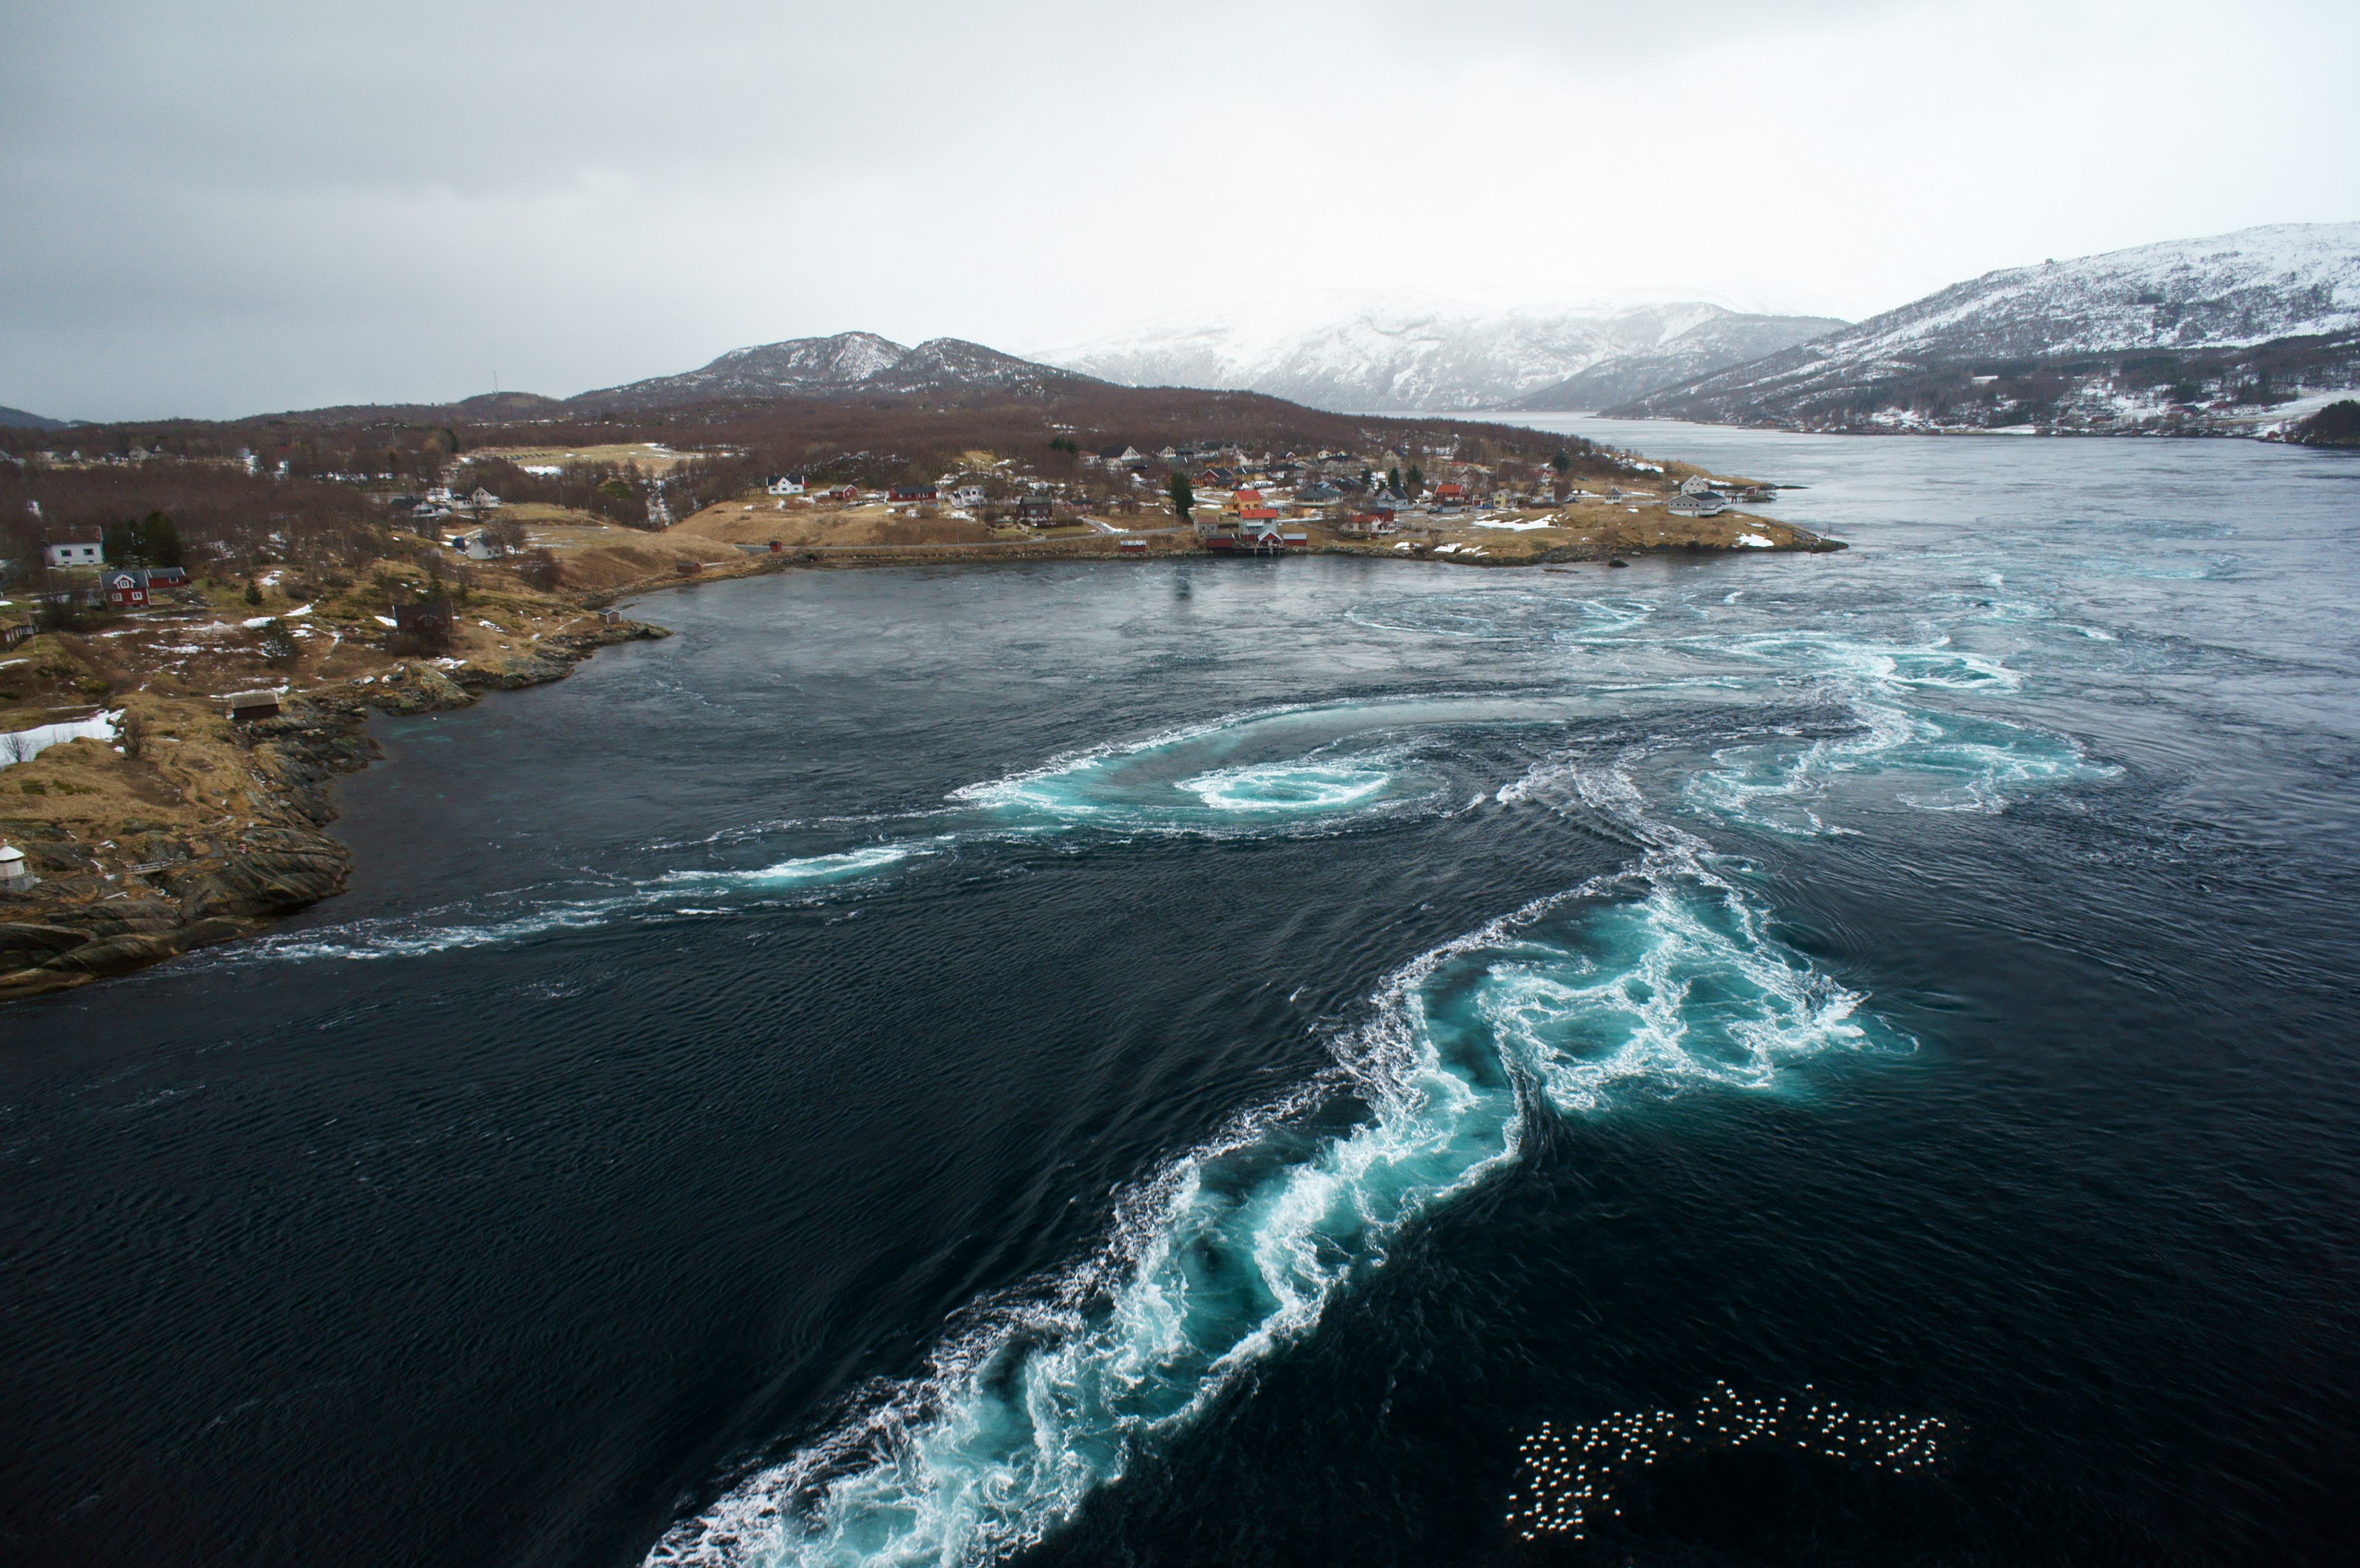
[[219, 208]]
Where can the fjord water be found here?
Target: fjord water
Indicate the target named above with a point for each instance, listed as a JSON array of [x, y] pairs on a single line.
[[1192, 1062]]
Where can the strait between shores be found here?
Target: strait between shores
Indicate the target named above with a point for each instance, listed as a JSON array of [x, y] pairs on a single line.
[[191, 827]]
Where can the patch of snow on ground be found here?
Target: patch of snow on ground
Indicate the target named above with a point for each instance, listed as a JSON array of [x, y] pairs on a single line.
[[1755, 542], [23, 746]]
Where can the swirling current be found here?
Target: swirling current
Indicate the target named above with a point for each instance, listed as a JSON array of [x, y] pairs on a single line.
[[1192, 1063]]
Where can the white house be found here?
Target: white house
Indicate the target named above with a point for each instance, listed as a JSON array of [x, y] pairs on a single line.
[[475, 546], [966, 493], [83, 549], [785, 485]]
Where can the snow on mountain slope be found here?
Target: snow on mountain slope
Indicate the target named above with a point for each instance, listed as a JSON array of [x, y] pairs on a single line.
[[2229, 292], [1710, 345], [1354, 355], [859, 363]]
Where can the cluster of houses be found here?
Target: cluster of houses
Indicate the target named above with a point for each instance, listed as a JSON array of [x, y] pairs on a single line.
[[120, 587], [442, 501], [1258, 501]]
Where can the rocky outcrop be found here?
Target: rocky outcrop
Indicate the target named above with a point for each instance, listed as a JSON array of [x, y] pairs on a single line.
[[149, 891], [411, 688], [551, 658], [187, 890], [268, 871]]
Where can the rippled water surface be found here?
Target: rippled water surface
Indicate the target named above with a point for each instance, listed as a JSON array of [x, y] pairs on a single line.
[[1202, 1062]]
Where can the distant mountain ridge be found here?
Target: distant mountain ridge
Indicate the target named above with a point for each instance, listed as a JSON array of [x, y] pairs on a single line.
[[1433, 356], [18, 419], [847, 364], [2280, 300]]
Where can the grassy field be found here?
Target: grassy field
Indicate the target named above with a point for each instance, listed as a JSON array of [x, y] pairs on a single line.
[[649, 455]]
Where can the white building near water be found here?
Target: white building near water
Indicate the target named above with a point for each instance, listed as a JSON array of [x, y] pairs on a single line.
[[81, 550]]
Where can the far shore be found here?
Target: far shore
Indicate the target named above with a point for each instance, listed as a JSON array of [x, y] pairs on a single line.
[[196, 825]]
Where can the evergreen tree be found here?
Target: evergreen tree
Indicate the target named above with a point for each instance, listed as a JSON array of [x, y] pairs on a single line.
[[1184, 496], [152, 540], [159, 540]]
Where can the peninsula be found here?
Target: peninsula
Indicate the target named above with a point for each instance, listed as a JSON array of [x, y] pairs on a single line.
[[198, 619]]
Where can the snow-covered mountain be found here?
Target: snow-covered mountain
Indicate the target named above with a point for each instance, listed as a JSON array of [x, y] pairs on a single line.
[[2235, 305], [1368, 356], [847, 364]]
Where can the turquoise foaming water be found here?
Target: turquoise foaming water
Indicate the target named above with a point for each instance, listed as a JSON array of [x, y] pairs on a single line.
[[1287, 787], [1659, 978], [1922, 757]]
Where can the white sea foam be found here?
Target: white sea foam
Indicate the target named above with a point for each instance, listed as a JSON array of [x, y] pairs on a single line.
[[808, 869], [1283, 787], [1929, 759], [657, 898], [1504, 615], [1237, 1249], [1662, 976]]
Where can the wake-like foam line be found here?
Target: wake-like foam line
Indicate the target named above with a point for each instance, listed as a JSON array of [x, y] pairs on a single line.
[[1661, 974], [812, 869], [656, 898]]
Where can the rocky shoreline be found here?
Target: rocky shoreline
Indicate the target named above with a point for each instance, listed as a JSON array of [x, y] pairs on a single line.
[[153, 889], [135, 890]]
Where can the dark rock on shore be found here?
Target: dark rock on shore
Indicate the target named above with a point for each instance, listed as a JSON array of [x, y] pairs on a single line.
[[76, 928], [185, 890]]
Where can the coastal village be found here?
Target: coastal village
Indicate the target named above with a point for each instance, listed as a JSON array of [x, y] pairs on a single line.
[[1431, 503], [176, 711]]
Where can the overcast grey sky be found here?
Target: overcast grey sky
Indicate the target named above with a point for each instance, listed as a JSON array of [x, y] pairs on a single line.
[[216, 209]]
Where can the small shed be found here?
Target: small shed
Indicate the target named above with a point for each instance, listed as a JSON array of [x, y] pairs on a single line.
[[126, 590], [14, 875], [245, 707], [427, 618]]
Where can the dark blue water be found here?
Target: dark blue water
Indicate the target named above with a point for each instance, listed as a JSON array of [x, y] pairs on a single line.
[[1232, 1061]]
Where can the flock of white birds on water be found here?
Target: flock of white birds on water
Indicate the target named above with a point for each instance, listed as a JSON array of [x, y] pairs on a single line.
[[1571, 1477]]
